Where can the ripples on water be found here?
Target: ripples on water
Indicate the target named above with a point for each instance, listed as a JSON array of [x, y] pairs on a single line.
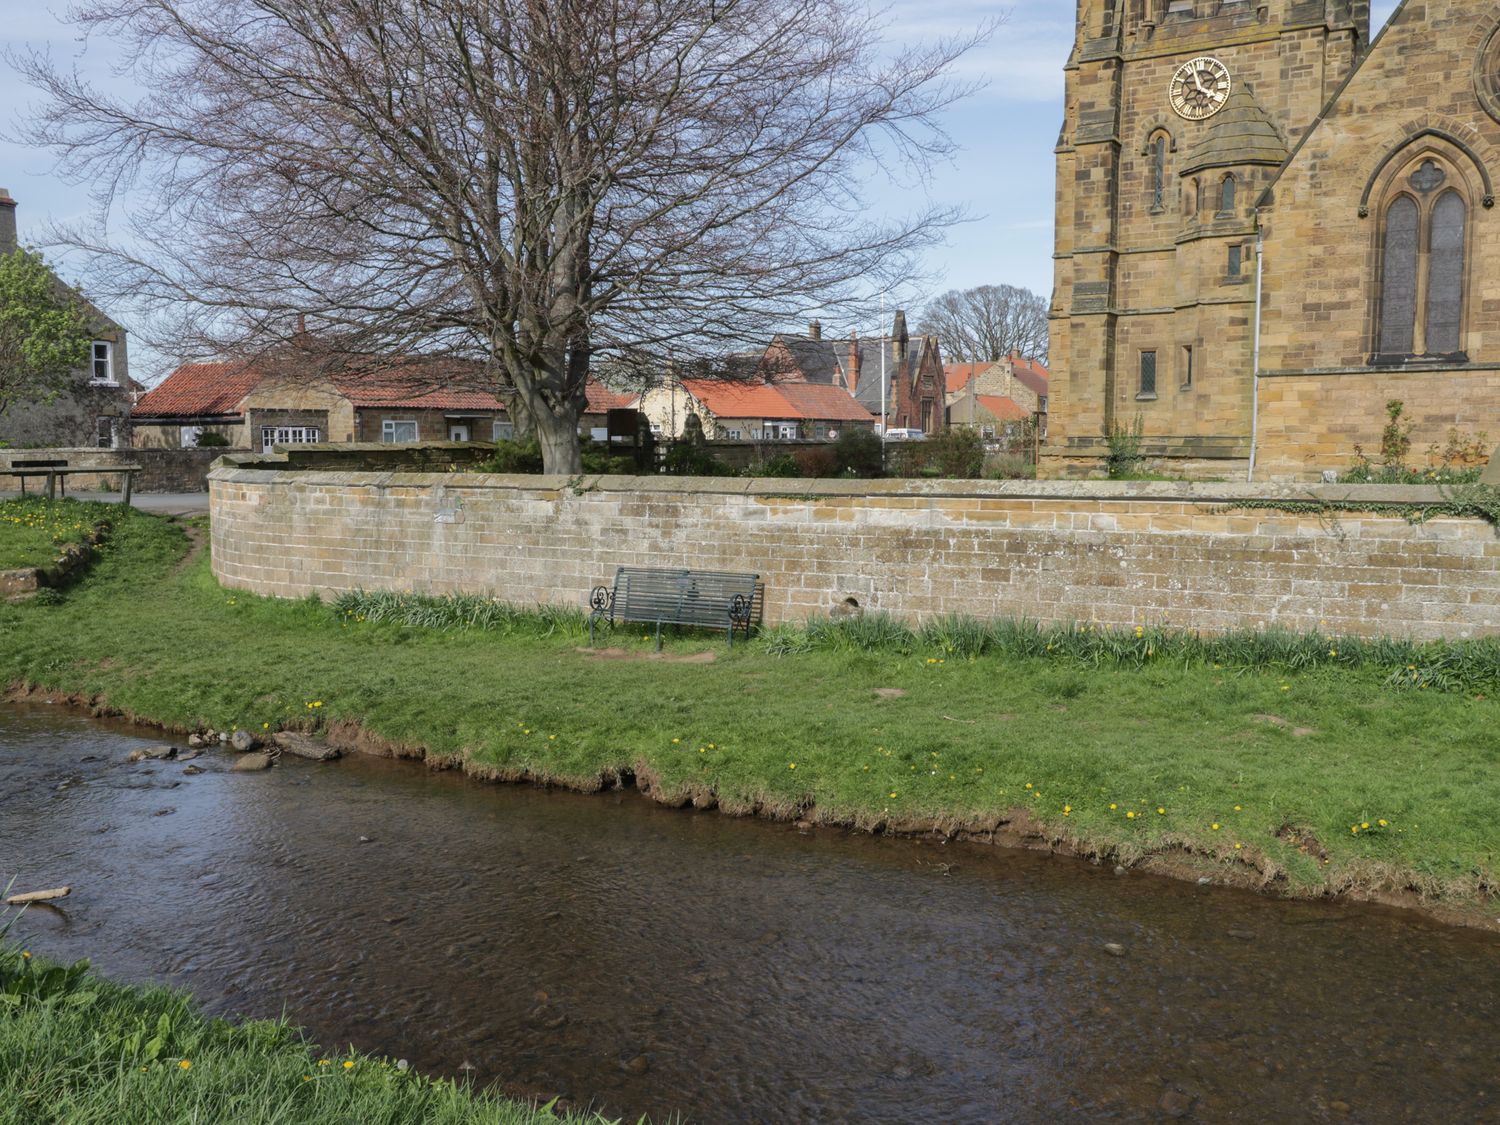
[[659, 961]]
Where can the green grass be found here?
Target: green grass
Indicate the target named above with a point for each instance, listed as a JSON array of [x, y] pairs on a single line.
[[34, 532], [76, 1049], [872, 724]]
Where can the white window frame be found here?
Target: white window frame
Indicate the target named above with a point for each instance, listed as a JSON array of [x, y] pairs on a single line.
[[272, 436], [107, 358], [732, 435], [388, 430], [503, 430]]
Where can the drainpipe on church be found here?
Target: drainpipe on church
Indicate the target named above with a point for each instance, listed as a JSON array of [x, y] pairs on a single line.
[[1260, 247]]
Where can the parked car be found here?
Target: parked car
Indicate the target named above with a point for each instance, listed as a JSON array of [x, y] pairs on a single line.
[[900, 434]]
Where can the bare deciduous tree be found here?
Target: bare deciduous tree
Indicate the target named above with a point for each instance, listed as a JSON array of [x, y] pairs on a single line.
[[988, 323], [528, 182]]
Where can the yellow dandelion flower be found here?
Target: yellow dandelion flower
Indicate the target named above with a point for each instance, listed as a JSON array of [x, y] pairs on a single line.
[[791, 765], [322, 1062], [1113, 807], [1161, 811], [1237, 847], [1382, 824], [1130, 815], [348, 1064], [1214, 826], [185, 1064]]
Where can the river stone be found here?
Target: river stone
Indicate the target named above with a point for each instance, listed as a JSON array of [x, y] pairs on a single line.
[[1114, 949], [136, 756], [159, 753], [638, 1065], [197, 741], [1174, 1103], [251, 762], [193, 771], [304, 746], [188, 755], [243, 741]]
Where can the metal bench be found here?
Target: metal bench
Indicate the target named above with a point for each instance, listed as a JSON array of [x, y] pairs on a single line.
[[706, 598]]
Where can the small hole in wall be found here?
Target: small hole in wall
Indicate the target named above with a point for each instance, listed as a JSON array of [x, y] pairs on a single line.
[[851, 603]]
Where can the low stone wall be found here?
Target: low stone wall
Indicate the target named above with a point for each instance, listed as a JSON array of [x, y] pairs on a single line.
[[162, 470], [1112, 553]]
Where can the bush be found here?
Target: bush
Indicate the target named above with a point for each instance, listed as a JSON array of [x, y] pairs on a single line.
[[208, 439], [781, 465], [514, 457], [1010, 466], [858, 454], [956, 453], [1125, 455], [687, 459], [817, 463]]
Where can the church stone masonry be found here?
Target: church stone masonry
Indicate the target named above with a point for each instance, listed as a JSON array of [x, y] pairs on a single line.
[[1201, 135]]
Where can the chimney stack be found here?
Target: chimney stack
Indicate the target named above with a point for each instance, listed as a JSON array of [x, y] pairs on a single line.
[[8, 242], [815, 329], [852, 371]]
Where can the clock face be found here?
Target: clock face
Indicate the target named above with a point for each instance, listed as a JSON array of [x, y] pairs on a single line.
[[1200, 88]]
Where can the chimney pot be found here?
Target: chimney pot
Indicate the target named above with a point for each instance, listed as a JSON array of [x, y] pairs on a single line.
[[815, 329], [8, 243]]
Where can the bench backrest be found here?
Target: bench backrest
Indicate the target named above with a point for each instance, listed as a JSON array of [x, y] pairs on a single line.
[[38, 464], [698, 597]]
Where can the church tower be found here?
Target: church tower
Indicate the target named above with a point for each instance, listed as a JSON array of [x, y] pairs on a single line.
[[1178, 115]]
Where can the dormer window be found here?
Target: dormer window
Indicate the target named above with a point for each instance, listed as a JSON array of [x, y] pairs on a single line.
[[103, 370]]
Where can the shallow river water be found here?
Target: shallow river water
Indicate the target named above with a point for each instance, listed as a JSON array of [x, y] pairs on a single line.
[[647, 960]]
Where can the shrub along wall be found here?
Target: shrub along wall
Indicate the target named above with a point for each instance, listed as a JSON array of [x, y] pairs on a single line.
[[1114, 553]]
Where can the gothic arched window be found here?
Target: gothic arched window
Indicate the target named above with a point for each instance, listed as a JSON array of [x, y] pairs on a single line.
[[1226, 195], [1157, 149], [1423, 266]]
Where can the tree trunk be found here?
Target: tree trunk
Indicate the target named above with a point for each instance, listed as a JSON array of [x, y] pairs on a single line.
[[562, 455]]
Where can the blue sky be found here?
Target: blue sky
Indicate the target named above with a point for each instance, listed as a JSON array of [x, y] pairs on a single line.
[[1003, 174]]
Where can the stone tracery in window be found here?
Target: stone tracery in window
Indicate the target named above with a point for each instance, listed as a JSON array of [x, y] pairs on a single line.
[[1423, 263]]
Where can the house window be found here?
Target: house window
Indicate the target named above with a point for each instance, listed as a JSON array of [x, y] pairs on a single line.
[[1148, 375], [1423, 268], [272, 436], [503, 431], [105, 431], [1187, 367], [398, 429], [1236, 260], [732, 435], [103, 369]]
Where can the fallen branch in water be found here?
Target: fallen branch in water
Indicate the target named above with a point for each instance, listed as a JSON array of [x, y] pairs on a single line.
[[38, 896]]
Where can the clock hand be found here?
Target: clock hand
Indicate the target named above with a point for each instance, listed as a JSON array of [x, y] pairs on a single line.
[[1198, 81]]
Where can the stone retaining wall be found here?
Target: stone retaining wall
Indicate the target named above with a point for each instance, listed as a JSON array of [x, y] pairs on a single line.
[[1113, 553]]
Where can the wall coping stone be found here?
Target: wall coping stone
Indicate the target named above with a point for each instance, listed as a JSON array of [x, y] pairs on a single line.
[[234, 470]]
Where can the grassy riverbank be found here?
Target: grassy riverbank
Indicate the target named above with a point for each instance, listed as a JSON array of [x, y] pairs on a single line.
[[76, 1049], [1342, 777], [34, 532]]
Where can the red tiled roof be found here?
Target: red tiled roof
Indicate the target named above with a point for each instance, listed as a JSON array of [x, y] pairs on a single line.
[[602, 399], [429, 384], [959, 374], [824, 403], [1032, 374], [199, 389], [1005, 409], [724, 399]]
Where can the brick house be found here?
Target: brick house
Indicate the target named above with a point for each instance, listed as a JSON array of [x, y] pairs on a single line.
[[95, 410], [914, 380]]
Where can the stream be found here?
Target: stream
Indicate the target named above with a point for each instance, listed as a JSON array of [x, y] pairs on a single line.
[[640, 959]]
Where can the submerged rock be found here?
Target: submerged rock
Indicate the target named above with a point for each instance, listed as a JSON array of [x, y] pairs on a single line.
[[1114, 949], [160, 753], [251, 762], [304, 746]]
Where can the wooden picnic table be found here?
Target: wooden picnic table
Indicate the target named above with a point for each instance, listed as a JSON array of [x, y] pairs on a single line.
[[55, 470]]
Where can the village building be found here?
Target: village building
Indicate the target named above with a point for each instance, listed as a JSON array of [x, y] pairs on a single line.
[[914, 384], [94, 411], [1268, 227], [285, 400], [752, 410], [1000, 398]]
